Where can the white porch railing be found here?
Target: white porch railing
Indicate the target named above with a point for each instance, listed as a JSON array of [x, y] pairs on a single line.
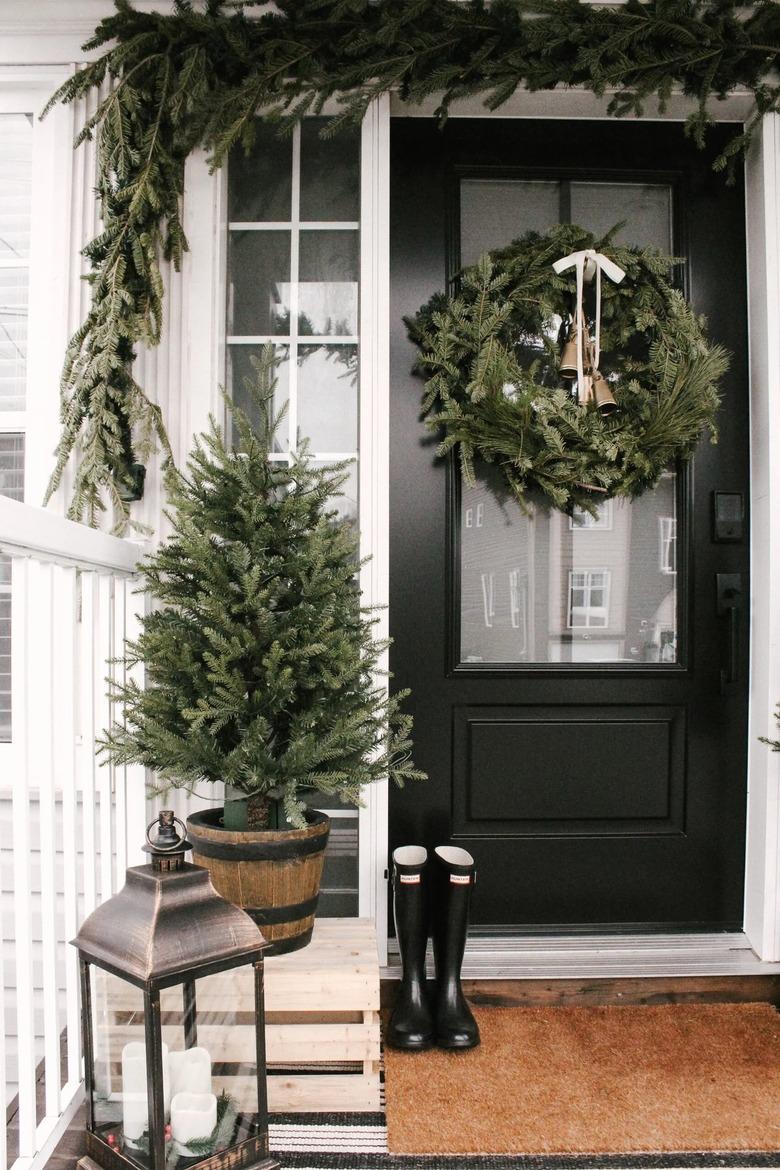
[[66, 824]]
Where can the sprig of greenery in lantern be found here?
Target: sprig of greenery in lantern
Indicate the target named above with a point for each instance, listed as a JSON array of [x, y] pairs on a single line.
[[219, 1138], [490, 356], [199, 77]]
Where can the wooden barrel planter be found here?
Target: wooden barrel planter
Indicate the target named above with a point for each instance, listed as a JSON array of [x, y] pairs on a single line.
[[273, 875]]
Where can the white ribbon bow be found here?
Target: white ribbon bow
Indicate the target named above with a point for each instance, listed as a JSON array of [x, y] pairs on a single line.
[[588, 264]]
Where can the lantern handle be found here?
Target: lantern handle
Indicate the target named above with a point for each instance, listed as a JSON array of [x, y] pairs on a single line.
[[170, 820]]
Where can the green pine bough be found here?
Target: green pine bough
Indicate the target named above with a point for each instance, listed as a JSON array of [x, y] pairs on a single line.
[[199, 77], [260, 663], [490, 356]]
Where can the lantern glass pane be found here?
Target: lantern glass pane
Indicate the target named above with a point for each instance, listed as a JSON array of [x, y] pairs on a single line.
[[120, 1094], [209, 1032]]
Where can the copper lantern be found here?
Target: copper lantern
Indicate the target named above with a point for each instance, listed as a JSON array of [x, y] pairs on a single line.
[[175, 1072]]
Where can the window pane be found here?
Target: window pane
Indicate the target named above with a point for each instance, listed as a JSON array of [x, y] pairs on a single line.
[[328, 291], [260, 183], [13, 337], [15, 185], [12, 466], [241, 371], [544, 588], [645, 208], [328, 397], [330, 173], [549, 587], [346, 506], [259, 283], [495, 211]]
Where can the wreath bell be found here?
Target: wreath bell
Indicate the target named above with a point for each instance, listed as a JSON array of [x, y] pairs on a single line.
[[580, 356]]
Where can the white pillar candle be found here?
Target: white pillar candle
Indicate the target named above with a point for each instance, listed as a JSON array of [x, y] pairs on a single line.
[[134, 1068], [193, 1117], [190, 1071], [135, 1088], [135, 1116]]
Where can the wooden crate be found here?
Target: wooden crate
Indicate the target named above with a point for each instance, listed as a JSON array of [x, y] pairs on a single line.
[[322, 1009]]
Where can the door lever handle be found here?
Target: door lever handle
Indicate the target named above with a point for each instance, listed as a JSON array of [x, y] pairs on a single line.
[[729, 601]]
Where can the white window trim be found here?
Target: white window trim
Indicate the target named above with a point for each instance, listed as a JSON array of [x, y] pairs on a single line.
[[589, 523], [518, 606], [667, 540], [588, 610], [25, 90], [488, 598]]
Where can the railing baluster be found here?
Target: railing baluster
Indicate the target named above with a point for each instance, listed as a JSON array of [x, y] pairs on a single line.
[[135, 773], [3, 1034], [22, 576], [120, 773], [86, 754], [64, 726], [41, 679], [104, 772]]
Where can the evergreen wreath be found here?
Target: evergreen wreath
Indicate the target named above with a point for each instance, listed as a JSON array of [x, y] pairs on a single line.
[[490, 354], [199, 77]]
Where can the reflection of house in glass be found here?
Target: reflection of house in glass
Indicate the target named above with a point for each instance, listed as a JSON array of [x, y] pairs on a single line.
[[548, 587]]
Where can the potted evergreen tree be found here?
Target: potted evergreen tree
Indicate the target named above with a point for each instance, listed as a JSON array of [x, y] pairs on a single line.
[[260, 668]]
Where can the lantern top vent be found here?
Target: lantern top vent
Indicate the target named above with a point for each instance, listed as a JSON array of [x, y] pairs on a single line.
[[168, 924]]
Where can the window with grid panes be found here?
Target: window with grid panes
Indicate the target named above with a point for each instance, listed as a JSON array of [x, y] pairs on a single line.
[[293, 280], [15, 193]]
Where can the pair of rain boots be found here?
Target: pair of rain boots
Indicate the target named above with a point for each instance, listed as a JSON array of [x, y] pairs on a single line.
[[438, 893]]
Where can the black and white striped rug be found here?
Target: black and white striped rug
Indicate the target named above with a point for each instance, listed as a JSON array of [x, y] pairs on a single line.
[[358, 1141]]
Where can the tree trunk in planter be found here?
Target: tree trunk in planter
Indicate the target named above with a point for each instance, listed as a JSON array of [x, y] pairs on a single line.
[[272, 874], [249, 812]]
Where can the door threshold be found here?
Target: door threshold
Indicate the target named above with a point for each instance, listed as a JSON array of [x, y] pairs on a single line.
[[604, 956]]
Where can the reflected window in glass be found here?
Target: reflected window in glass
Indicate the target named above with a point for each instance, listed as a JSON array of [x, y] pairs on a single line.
[[16, 134]]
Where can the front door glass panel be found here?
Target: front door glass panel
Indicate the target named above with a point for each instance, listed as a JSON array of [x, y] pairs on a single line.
[[545, 587]]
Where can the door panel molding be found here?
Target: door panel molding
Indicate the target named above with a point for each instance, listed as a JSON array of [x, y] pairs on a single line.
[[505, 785]]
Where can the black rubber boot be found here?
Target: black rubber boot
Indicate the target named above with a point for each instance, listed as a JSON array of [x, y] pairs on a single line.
[[411, 1022], [454, 876]]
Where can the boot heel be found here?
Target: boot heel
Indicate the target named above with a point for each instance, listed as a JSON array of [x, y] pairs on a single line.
[[411, 1022]]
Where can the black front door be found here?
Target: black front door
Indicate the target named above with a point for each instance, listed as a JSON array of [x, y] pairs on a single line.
[[570, 676]]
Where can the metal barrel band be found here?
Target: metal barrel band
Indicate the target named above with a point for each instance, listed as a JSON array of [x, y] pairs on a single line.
[[259, 850], [275, 915], [283, 946]]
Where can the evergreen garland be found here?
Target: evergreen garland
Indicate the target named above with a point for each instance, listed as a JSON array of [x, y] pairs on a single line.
[[259, 660], [199, 77], [490, 355]]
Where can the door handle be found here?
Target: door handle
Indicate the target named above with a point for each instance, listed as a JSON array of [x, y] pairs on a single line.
[[729, 601]]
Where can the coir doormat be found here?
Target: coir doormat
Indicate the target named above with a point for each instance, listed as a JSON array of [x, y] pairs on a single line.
[[599, 1080]]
